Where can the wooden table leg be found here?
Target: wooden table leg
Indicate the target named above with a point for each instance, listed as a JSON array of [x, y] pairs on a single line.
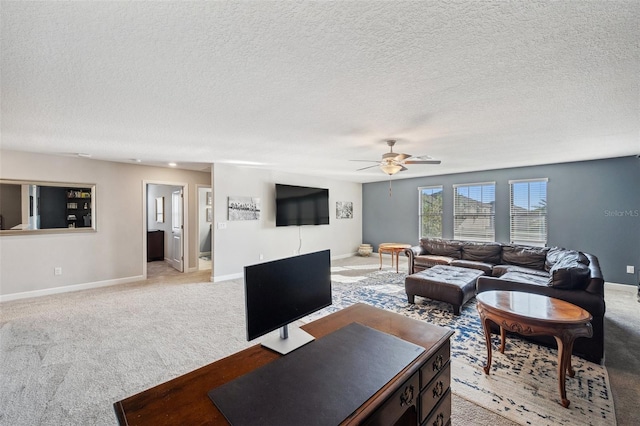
[[397, 258], [380, 254], [565, 348], [486, 326], [503, 339], [564, 364]]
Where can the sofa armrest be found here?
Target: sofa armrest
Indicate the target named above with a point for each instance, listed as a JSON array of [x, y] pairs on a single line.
[[411, 253]]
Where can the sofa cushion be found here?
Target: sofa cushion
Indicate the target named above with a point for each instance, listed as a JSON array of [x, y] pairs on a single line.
[[556, 253], [487, 268], [529, 257], [500, 270], [570, 274], [429, 260], [523, 277], [482, 252], [440, 247]]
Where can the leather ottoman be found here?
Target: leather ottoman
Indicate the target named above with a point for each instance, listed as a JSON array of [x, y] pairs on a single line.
[[445, 283]]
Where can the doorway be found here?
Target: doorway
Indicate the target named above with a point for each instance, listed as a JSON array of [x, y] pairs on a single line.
[[165, 237]]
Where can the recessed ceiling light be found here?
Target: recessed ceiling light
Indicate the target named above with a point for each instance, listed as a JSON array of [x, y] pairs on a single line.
[[172, 164], [136, 160], [84, 155]]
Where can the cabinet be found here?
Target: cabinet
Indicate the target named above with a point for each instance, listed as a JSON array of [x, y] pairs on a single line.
[[79, 208], [155, 245], [435, 396], [423, 399]]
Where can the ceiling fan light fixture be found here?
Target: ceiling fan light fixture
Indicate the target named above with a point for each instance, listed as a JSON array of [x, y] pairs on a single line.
[[390, 169]]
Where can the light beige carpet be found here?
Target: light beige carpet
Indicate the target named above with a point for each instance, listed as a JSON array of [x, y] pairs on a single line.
[[64, 359]]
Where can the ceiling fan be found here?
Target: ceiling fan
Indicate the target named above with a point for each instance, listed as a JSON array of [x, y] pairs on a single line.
[[393, 162]]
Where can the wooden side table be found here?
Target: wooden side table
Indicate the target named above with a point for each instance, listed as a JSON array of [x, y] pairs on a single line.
[[394, 249], [534, 314]]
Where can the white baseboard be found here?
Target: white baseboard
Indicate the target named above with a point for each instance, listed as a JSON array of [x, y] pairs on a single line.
[[241, 274], [227, 277], [68, 288]]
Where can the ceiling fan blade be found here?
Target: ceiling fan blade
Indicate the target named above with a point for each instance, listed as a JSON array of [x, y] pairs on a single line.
[[368, 167], [401, 157], [403, 169], [423, 162], [368, 161]]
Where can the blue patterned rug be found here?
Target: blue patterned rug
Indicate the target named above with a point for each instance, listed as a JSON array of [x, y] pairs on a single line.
[[523, 384]]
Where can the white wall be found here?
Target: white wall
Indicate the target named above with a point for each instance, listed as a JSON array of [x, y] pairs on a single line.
[[114, 253], [242, 242]]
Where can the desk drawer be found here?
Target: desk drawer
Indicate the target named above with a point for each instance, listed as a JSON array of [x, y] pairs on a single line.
[[441, 415], [393, 408], [434, 365], [433, 393]]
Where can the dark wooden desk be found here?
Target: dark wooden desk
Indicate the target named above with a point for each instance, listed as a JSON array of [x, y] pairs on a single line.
[[419, 392]]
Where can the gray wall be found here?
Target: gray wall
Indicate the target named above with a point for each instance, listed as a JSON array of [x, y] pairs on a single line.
[[593, 206]]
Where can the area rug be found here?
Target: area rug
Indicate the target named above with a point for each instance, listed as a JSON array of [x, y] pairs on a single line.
[[522, 385]]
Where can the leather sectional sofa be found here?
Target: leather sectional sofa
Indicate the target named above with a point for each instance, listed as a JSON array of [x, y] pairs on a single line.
[[555, 272]]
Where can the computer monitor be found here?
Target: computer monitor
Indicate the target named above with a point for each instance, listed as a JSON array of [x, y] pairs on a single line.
[[280, 292]]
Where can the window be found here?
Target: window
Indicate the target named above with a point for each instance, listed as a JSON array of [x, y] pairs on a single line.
[[529, 211], [430, 204], [474, 211]]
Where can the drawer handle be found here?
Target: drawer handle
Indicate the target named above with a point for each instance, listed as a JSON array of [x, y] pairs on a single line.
[[438, 390], [439, 421], [437, 364], [406, 397]]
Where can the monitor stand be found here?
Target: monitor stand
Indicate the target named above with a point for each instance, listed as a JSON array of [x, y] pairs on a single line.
[[288, 340]]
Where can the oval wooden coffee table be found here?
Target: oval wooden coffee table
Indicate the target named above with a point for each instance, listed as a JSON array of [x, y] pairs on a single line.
[[533, 314]]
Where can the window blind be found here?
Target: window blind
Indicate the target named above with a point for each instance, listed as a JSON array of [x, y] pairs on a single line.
[[474, 211], [528, 200]]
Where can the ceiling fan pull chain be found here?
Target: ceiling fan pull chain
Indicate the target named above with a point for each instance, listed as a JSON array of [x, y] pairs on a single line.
[[389, 187]]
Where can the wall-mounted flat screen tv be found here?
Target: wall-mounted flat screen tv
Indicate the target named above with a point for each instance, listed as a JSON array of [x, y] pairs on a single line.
[[301, 205]]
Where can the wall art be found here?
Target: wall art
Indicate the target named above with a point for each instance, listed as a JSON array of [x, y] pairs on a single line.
[[244, 208], [344, 210]]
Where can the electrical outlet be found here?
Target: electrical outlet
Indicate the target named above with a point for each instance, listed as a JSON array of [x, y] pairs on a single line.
[[222, 225], [630, 269], [57, 270], [261, 256]]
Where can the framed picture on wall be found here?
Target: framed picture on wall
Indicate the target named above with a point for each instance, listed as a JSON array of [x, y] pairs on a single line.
[[244, 208], [209, 198], [344, 210], [209, 214]]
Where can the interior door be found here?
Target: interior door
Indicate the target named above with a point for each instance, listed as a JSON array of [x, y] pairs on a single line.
[[176, 255]]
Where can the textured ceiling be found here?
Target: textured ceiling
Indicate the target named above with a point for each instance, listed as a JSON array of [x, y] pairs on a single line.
[[307, 86]]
